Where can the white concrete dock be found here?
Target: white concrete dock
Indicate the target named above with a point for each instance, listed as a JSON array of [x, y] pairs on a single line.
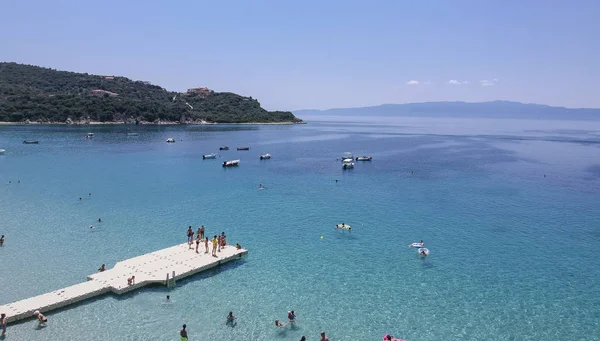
[[152, 268]]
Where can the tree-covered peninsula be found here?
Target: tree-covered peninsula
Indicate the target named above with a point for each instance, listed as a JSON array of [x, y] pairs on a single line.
[[32, 94]]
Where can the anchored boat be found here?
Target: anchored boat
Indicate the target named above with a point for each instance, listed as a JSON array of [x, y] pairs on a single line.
[[224, 148], [348, 165], [31, 142], [209, 156], [170, 140], [265, 156], [232, 163], [243, 148], [364, 158]]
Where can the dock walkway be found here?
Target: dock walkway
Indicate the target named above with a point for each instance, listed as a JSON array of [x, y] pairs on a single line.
[[159, 267]]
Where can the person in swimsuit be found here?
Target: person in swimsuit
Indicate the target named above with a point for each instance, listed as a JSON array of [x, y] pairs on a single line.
[[206, 244], [291, 316], [202, 232], [230, 318], [223, 240], [183, 333], [219, 243], [324, 337], [215, 243], [99, 220], [41, 318], [279, 324], [3, 323], [238, 246], [131, 281], [304, 337], [102, 268], [197, 242], [2, 240], [190, 236]]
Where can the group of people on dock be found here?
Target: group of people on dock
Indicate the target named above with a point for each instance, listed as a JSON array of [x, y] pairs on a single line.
[[218, 241]]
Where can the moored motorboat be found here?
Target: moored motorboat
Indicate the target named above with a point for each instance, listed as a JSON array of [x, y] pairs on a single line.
[[170, 140], [31, 142], [89, 136], [346, 156], [243, 148], [265, 156], [348, 165], [224, 148], [231, 163], [364, 158], [133, 134], [209, 156]]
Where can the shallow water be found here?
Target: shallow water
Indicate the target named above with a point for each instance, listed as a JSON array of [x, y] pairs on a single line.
[[514, 254]]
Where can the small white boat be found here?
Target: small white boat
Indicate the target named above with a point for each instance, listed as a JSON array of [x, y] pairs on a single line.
[[416, 245], [364, 158], [343, 226], [133, 134], [170, 140], [232, 163], [2, 151], [346, 156], [265, 156], [89, 136], [348, 165], [209, 156]]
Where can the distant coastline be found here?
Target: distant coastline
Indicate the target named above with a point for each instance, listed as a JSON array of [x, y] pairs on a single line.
[[94, 123]]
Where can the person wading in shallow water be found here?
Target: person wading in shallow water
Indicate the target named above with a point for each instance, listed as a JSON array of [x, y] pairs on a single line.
[[183, 334]]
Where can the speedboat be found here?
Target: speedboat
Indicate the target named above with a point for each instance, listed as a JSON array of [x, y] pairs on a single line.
[[364, 158], [346, 156], [209, 156], [31, 142], [265, 156], [89, 136], [347, 165], [170, 140], [243, 148], [133, 134], [2, 151], [224, 148], [231, 163]]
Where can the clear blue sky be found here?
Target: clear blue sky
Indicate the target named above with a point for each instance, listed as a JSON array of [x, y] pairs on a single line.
[[323, 54]]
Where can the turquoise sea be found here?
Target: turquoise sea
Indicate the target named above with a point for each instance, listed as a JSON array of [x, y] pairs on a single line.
[[510, 210]]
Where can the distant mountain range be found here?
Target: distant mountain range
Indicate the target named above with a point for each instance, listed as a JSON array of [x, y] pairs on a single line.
[[493, 109]]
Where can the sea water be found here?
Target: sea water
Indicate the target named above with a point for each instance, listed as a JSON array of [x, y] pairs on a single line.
[[509, 209]]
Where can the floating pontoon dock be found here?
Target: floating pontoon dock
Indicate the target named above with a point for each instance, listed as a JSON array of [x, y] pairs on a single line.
[[160, 267]]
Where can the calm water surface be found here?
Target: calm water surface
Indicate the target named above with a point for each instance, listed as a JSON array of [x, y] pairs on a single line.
[[514, 253]]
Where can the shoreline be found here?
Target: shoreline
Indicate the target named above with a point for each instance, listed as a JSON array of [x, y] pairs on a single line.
[[93, 123]]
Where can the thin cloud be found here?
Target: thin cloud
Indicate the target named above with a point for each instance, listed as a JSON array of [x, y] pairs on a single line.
[[453, 82], [428, 82], [466, 82], [413, 82], [485, 82]]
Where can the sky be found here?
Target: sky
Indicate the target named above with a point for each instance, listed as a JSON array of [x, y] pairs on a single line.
[[319, 54]]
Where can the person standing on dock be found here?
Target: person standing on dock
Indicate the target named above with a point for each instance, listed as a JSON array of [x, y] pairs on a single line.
[[197, 242], [206, 244], [202, 232], [183, 334], [215, 243], [3, 323], [190, 236]]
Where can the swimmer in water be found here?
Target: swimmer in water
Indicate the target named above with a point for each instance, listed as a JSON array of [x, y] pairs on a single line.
[[279, 324], [92, 227], [41, 318], [168, 297], [99, 220], [292, 316], [183, 334], [230, 317], [2, 240], [423, 253], [324, 337]]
